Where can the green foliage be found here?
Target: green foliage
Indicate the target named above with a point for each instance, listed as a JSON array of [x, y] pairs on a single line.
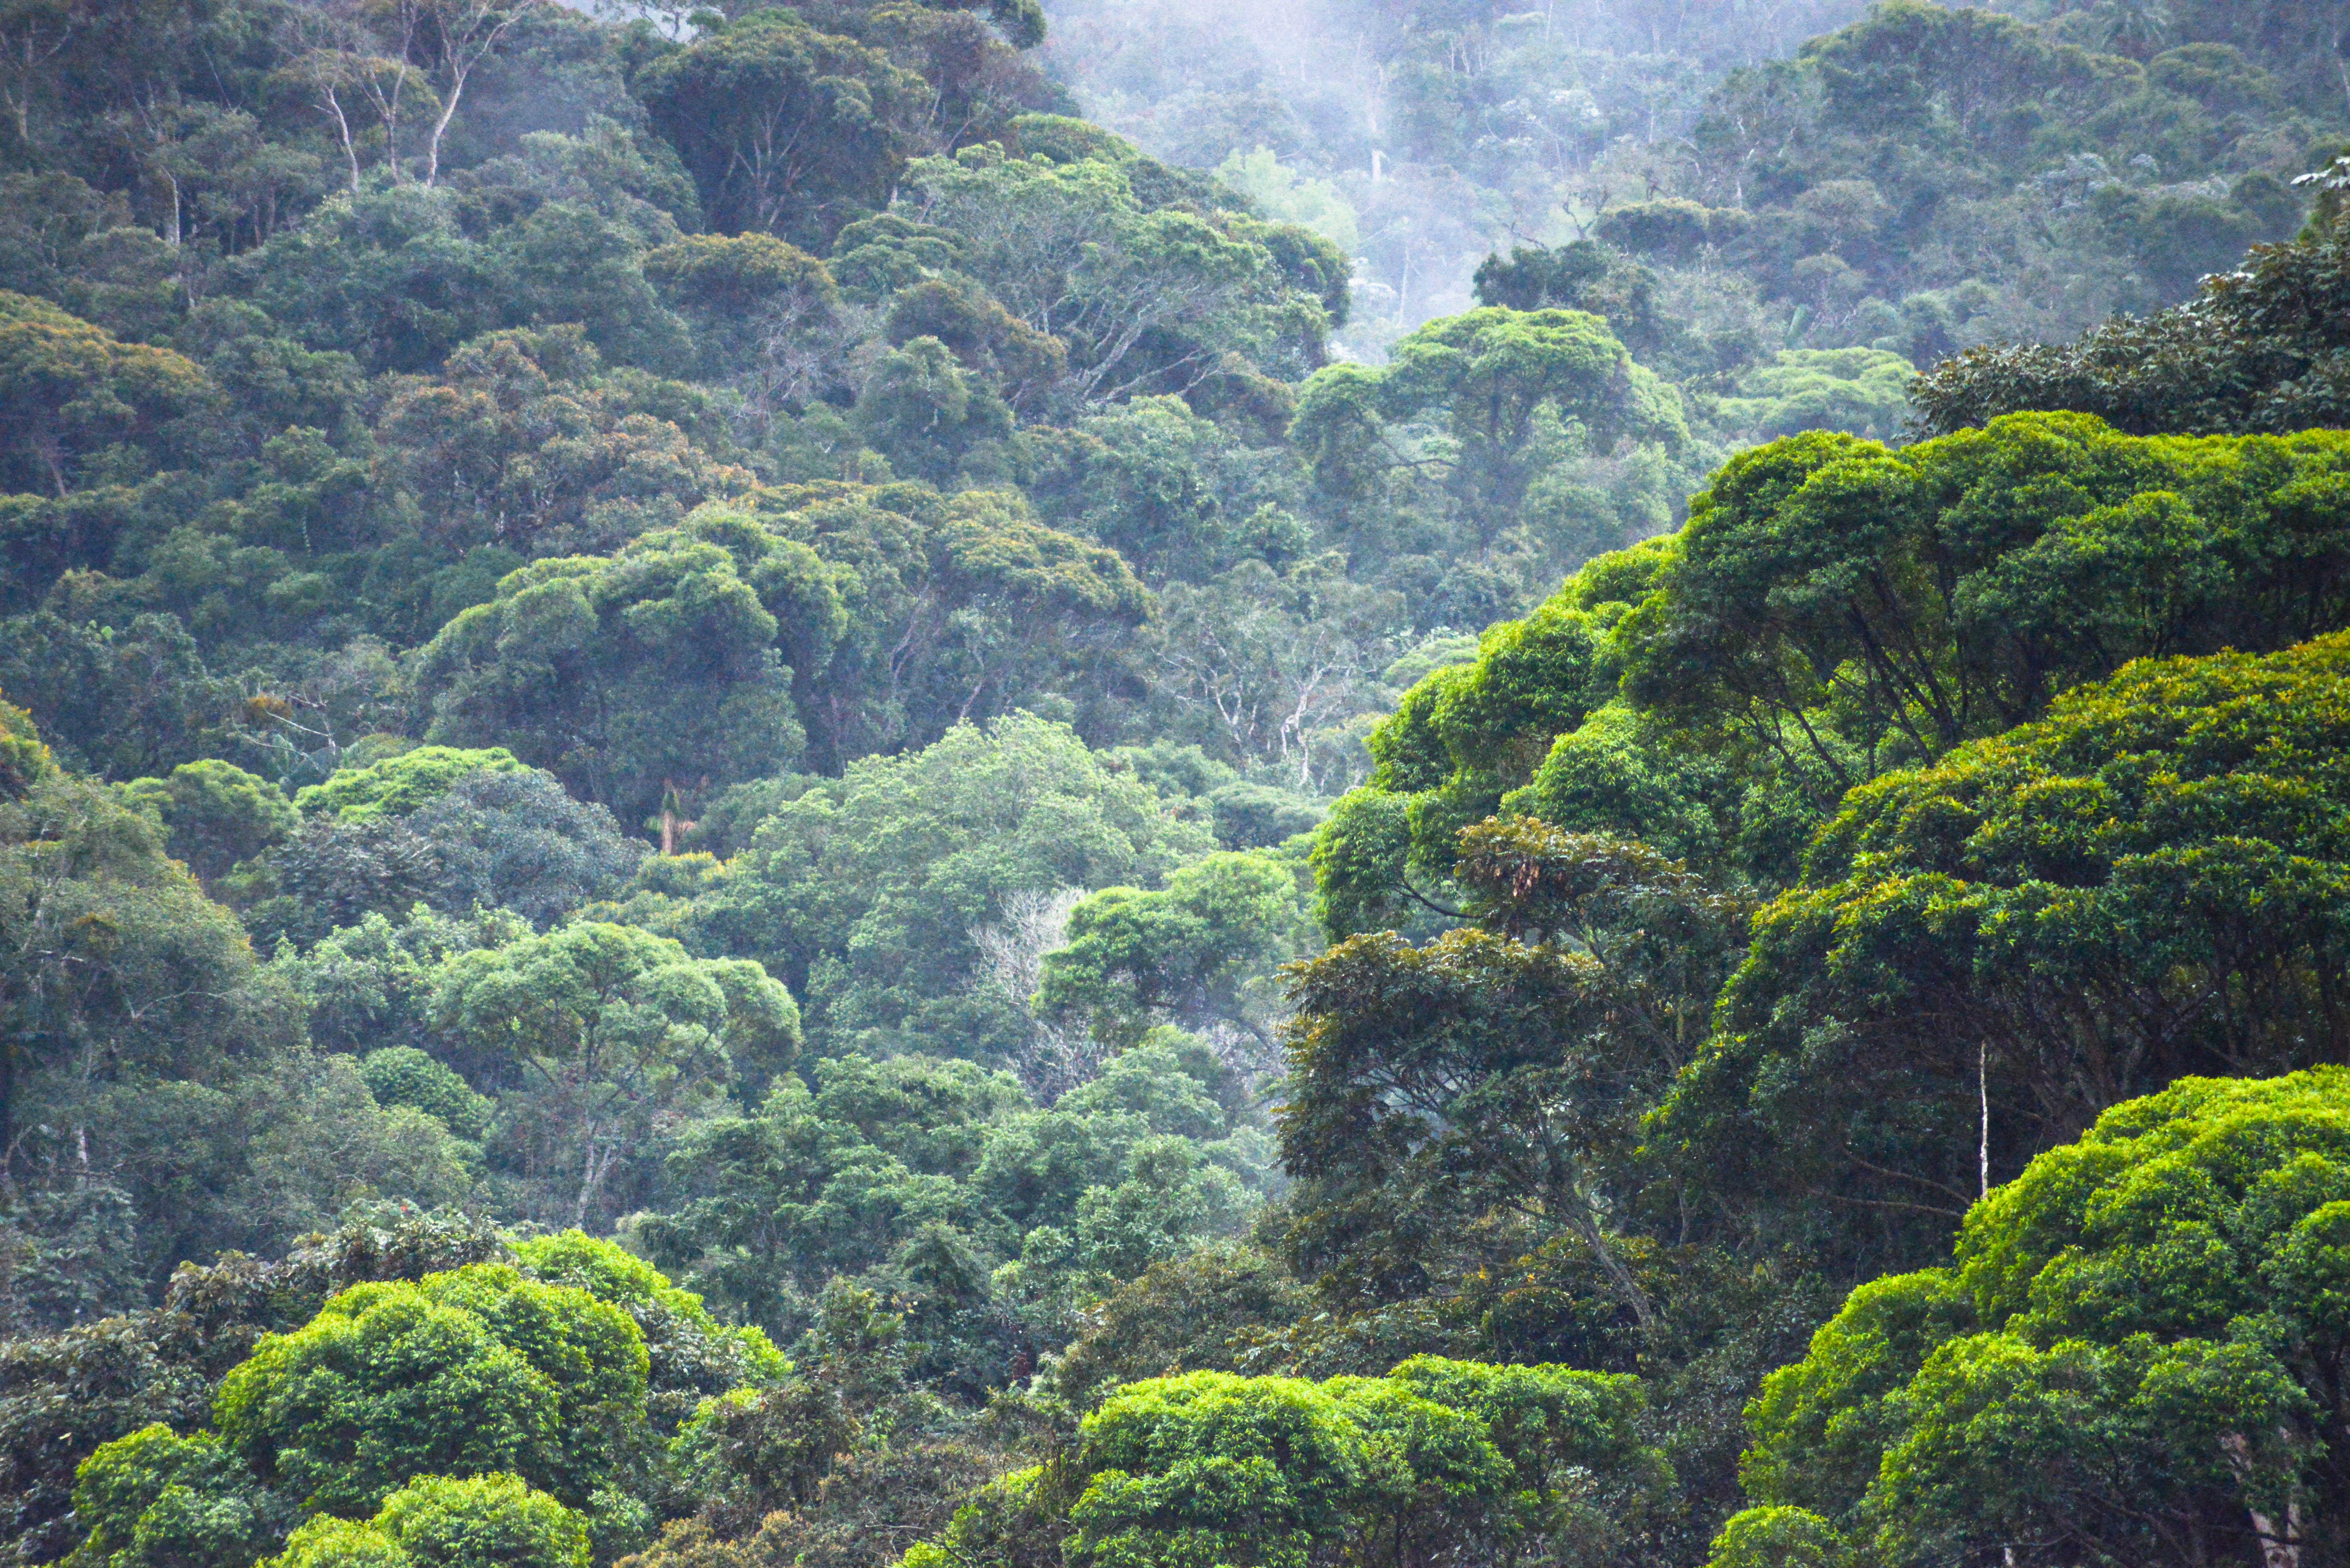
[[1497, 1067], [1149, 287], [216, 813], [126, 995], [1834, 609], [926, 414], [1778, 1537], [1988, 950], [784, 129], [121, 700], [400, 784], [67, 387], [2147, 1314], [154, 1497], [600, 1031], [1923, 178], [638, 406], [1491, 373], [1192, 954], [373, 982], [924, 1176], [1865, 392], [462, 1373], [600, 668], [2259, 348], [866, 893], [1437, 1456], [439, 1522], [1469, 734], [403, 1076], [69, 1391], [1821, 578], [440, 828]]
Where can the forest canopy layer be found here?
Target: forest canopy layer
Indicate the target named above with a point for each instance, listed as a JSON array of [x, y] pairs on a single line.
[[943, 783]]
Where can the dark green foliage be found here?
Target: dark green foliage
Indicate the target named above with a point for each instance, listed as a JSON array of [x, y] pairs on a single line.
[[871, 893], [598, 1034], [2261, 348], [989, 1218], [517, 841], [121, 701], [586, 664], [785, 129], [1499, 1067], [1978, 953]]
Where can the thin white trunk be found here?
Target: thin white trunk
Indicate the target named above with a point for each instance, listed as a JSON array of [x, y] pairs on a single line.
[[1983, 1092]]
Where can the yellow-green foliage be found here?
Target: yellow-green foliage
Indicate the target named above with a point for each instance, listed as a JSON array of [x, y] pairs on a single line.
[[1836, 608], [475, 1370], [444, 1522], [398, 786], [2147, 884], [2136, 1342]]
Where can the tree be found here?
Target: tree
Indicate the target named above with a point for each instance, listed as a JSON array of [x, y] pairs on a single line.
[[443, 827], [442, 1522], [216, 814], [1841, 607], [120, 701], [1149, 296], [2259, 349], [1986, 954], [154, 1497], [369, 985], [599, 1032], [404, 1075], [990, 1220], [518, 841], [1489, 373], [71, 1390], [1465, 737], [463, 1373], [1437, 1457], [525, 442], [873, 887], [1274, 669], [926, 414], [1199, 953], [119, 969], [765, 311], [68, 389], [784, 129], [1497, 1067], [621, 674], [2129, 1358], [951, 609], [1863, 390], [401, 784], [455, 36]]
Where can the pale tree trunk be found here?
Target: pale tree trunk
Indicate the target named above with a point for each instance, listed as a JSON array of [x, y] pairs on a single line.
[[343, 129], [467, 30]]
